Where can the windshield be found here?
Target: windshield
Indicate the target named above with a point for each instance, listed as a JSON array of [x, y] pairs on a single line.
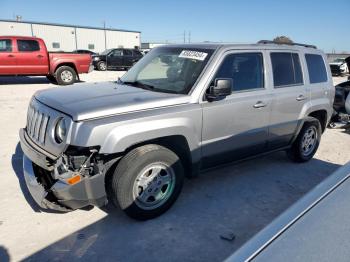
[[106, 52], [168, 69], [339, 60]]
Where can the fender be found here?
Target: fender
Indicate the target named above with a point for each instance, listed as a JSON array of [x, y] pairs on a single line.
[[122, 137]]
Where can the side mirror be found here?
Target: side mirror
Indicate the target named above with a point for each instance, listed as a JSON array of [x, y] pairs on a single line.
[[222, 88]]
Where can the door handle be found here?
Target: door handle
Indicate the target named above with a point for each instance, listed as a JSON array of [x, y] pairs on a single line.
[[259, 104], [11, 56], [40, 56], [301, 98]]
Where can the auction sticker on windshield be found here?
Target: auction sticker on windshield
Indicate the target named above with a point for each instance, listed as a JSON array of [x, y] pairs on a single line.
[[193, 55]]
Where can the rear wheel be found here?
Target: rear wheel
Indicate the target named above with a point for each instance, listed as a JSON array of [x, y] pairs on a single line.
[[147, 181], [65, 75], [307, 142]]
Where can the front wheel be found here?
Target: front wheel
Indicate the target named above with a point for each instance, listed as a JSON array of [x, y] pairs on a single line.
[[307, 142], [147, 181], [65, 75], [102, 66]]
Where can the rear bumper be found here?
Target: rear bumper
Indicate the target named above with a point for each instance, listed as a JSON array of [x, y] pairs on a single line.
[[57, 195]]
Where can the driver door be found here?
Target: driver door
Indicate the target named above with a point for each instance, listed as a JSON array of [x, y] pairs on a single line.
[[236, 127], [115, 59]]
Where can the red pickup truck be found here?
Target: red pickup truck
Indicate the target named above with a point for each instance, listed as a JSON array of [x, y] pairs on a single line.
[[28, 56]]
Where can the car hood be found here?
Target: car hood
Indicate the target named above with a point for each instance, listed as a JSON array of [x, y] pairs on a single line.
[[95, 100]]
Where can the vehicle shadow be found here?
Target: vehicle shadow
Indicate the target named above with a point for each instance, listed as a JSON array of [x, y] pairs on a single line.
[[17, 80], [237, 199], [4, 255], [17, 166]]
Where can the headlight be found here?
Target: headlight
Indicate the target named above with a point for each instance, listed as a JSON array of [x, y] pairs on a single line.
[[96, 58], [60, 130]]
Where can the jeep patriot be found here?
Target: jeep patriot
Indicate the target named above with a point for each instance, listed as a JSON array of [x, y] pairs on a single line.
[[179, 110]]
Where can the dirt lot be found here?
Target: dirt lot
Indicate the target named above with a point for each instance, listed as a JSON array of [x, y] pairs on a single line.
[[239, 199]]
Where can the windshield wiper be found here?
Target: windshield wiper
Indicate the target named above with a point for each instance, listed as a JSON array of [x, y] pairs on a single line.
[[140, 85]]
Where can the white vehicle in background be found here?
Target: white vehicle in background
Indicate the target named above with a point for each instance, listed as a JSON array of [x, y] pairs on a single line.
[[339, 67]]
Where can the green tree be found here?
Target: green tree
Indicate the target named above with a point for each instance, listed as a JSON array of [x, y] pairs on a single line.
[[283, 40]]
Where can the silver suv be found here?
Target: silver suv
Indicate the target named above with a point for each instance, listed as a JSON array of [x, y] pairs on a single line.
[[180, 109]]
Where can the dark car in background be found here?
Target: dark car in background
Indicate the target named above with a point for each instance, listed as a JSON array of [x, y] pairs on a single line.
[[83, 51], [118, 58]]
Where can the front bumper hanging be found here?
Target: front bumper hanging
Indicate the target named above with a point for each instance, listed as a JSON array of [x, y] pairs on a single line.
[[58, 195]]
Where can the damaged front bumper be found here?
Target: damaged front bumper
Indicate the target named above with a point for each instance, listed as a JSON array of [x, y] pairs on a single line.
[[58, 195]]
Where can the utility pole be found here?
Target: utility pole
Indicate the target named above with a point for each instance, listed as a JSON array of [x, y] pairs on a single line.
[[104, 29], [189, 36], [185, 36]]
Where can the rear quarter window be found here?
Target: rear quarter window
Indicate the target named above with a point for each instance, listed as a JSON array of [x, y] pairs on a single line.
[[316, 67]]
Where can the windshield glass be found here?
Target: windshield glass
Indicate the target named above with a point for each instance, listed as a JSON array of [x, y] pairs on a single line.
[[168, 69], [106, 52], [339, 60]]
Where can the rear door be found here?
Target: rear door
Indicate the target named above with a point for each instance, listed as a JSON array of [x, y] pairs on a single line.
[[32, 57], [128, 58], [290, 94], [7, 57]]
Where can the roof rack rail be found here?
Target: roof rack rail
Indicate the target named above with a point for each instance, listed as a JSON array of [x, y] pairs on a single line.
[[276, 43]]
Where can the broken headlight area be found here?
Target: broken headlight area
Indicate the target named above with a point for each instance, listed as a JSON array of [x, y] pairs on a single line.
[[77, 163]]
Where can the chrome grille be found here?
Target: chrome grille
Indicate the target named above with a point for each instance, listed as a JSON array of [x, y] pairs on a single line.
[[36, 124]]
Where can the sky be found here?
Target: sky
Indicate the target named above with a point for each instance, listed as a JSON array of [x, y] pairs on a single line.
[[324, 23]]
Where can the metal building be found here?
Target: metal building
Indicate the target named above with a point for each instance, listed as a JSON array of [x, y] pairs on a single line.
[[62, 37]]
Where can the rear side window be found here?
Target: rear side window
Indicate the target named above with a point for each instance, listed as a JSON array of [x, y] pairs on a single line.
[[5, 45], [317, 68], [245, 69], [28, 45], [286, 69]]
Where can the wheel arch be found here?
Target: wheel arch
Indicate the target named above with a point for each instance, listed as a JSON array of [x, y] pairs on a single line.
[[70, 64], [320, 115]]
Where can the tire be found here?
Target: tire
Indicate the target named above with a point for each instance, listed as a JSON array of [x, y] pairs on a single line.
[[51, 78], [143, 173], [307, 142], [101, 66], [65, 75]]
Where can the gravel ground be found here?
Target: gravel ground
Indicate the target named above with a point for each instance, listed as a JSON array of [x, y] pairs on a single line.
[[236, 199]]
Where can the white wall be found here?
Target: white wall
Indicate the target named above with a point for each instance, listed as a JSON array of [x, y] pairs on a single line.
[[87, 36], [63, 35], [13, 28], [122, 39]]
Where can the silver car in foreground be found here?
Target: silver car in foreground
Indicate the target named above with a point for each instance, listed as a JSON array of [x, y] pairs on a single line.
[[316, 228], [180, 109]]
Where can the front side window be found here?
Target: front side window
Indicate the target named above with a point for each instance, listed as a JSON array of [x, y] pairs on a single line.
[[168, 69], [117, 53], [28, 45], [5, 45], [316, 68], [245, 69], [127, 52], [286, 69]]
